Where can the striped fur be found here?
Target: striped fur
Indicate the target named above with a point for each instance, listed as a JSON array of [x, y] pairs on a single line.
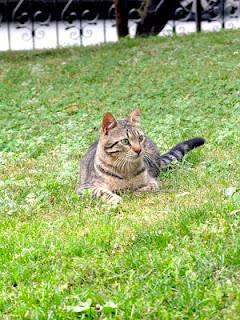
[[124, 158], [157, 162]]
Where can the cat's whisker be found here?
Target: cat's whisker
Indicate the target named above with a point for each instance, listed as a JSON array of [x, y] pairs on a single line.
[[119, 163], [123, 164]]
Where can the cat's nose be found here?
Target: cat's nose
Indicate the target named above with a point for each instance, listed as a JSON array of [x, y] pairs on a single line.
[[137, 149]]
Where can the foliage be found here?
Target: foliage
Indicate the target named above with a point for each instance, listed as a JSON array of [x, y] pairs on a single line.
[[173, 254]]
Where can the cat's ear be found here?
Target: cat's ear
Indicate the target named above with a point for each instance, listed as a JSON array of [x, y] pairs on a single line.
[[108, 122], [134, 117]]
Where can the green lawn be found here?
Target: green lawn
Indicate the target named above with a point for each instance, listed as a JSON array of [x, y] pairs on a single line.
[[169, 255]]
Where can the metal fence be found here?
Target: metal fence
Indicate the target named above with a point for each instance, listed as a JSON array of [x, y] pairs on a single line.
[[35, 24]]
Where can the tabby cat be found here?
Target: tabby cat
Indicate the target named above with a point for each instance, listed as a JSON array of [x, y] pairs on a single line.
[[124, 158]]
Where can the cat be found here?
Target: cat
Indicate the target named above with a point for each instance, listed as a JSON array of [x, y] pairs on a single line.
[[125, 159]]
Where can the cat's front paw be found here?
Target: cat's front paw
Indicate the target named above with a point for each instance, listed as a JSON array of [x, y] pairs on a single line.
[[153, 186], [114, 200], [150, 187]]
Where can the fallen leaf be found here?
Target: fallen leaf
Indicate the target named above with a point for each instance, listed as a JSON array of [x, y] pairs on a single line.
[[83, 307], [234, 212], [72, 108], [109, 307], [182, 194], [228, 192]]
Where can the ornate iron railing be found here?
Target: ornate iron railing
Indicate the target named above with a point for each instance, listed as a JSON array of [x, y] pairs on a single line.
[[30, 24]]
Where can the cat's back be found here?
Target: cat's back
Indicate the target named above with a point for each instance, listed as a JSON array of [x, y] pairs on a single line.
[[87, 162], [152, 158]]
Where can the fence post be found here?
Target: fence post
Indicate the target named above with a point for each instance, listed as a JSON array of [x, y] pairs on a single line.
[[121, 11], [223, 13], [198, 15]]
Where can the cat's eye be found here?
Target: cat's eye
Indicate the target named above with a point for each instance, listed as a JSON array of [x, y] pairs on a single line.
[[141, 138], [125, 141]]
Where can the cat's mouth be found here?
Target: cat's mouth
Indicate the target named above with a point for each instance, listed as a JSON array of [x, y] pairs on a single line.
[[136, 156]]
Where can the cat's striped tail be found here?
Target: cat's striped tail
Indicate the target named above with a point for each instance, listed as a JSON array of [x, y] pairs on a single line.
[[178, 152]]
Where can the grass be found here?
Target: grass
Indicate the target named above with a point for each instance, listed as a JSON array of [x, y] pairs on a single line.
[[170, 255]]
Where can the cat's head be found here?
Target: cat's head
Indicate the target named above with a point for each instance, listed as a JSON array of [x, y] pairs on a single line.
[[122, 138]]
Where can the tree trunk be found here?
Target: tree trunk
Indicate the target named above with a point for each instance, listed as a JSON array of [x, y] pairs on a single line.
[[155, 15], [121, 10]]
